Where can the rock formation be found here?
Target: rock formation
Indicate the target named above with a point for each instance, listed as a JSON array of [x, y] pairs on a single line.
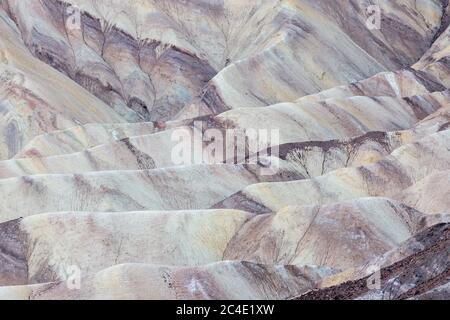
[[348, 200]]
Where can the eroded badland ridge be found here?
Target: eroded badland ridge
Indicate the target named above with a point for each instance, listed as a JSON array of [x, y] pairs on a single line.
[[350, 200]]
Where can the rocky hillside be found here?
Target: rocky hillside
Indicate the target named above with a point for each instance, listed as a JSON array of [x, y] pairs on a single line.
[[317, 163]]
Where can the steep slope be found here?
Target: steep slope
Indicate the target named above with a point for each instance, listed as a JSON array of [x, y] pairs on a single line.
[[387, 177], [47, 245]]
